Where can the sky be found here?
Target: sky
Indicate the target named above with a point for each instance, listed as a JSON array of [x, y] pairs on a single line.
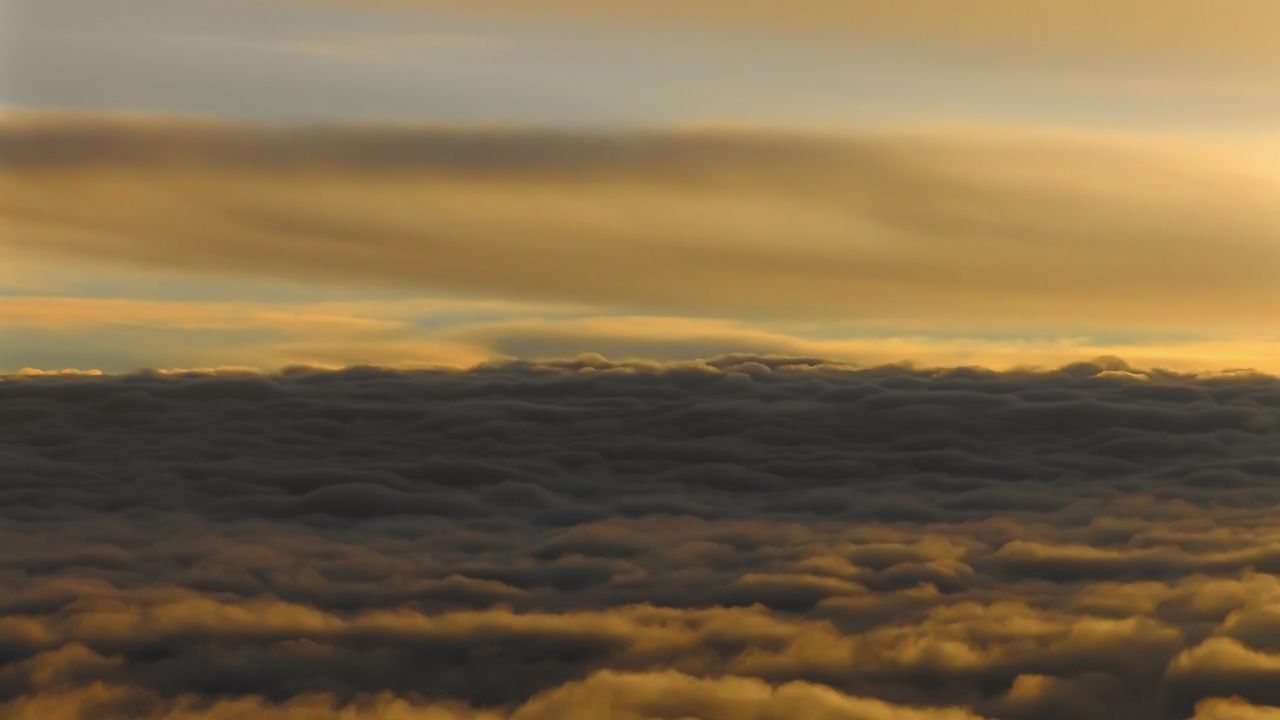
[[415, 183]]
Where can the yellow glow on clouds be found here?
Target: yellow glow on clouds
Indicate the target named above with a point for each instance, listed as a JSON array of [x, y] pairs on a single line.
[[391, 333], [663, 245]]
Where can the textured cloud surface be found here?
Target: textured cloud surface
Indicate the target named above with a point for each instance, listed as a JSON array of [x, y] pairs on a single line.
[[750, 537]]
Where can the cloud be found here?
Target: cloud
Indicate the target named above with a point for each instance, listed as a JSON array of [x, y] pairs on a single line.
[[1233, 709], [59, 331], [743, 537], [1244, 36], [73, 312], [913, 230], [627, 696]]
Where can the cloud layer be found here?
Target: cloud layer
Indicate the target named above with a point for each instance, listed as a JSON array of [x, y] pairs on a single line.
[[1241, 36], [944, 228], [120, 335], [750, 537]]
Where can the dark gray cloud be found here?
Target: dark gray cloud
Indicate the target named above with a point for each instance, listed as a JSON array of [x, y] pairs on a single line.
[[512, 540]]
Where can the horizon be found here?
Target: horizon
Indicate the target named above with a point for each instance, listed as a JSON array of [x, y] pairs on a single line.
[[1105, 366]]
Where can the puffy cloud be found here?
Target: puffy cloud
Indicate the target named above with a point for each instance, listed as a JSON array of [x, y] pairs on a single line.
[[1224, 667], [623, 696], [672, 695], [1233, 709]]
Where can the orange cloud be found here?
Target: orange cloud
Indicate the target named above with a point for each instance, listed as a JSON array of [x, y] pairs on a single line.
[[909, 230], [1243, 35]]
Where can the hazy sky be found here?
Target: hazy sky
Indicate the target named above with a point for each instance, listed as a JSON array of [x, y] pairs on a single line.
[[207, 183]]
